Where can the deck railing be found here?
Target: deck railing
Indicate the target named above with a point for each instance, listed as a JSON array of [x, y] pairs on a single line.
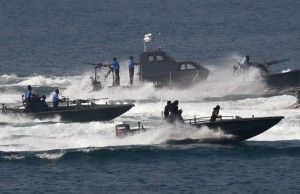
[[196, 120]]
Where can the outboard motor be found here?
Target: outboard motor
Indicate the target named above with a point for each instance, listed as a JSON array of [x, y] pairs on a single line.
[[122, 130]]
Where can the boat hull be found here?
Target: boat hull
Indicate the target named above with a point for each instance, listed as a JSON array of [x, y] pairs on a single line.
[[242, 128], [98, 113], [235, 130], [283, 80]]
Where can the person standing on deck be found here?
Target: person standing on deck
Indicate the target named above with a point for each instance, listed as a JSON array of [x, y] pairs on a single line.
[[247, 63], [56, 100], [116, 68], [131, 65], [167, 110], [29, 98]]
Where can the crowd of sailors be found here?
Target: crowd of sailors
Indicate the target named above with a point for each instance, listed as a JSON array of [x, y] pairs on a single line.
[[34, 102], [116, 68], [172, 113]]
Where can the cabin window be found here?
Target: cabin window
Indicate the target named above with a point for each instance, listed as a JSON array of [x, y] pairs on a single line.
[[187, 66], [190, 66], [150, 57], [159, 58]]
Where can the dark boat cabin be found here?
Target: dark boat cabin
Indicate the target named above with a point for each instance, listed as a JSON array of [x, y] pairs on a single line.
[[158, 67]]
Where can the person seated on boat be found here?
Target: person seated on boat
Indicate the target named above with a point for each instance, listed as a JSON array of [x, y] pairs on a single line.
[[131, 65], [167, 110], [43, 102], [56, 100], [29, 98], [215, 114], [179, 115], [246, 64], [116, 68]]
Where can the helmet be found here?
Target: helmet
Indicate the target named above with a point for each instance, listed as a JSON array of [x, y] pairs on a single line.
[[131, 57]]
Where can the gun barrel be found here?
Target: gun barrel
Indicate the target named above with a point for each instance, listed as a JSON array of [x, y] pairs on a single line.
[[277, 61], [95, 64]]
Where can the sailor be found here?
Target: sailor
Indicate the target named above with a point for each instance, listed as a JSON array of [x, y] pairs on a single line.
[[43, 102], [131, 65], [215, 114], [167, 110], [247, 63], [174, 111], [116, 68], [29, 98], [56, 99]]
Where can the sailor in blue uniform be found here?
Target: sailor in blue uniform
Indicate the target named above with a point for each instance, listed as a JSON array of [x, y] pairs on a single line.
[[28, 92], [247, 63], [131, 65], [116, 67], [28, 98], [56, 100]]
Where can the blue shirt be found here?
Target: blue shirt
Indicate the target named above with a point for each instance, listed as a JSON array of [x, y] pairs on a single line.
[[27, 94], [55, 98], [247, 62], [116, 65], [131, 64]]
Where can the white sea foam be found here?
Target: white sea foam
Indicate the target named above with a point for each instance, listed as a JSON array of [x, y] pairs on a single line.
[[23, 134], [221, 82], [49, 156], [49, 136], [13, 157]]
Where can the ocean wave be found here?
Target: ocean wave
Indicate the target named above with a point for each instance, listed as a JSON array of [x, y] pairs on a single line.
[[252, 149]]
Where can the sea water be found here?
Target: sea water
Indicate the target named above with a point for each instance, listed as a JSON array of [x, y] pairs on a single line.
[[46, 44]]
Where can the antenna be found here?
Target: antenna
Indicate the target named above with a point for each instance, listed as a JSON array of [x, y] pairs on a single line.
[[159, 46]]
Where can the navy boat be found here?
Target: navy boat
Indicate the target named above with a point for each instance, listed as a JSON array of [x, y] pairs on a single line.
[[286, 79], [235, 129], [290, 79], [279, 81], [157, 67], [72, 111], [238, 128]]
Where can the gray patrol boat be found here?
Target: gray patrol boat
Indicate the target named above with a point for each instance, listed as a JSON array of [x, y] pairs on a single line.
[[71, 111], [235, 129], [157, 67]]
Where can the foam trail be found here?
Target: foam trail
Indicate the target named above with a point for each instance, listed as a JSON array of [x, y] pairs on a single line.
[[221, 82], [49, 136]]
